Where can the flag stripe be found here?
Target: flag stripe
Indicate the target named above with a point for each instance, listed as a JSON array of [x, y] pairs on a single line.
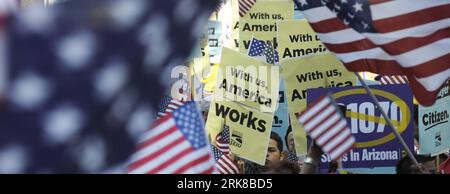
[[326, 113], [336, 142], [395, 8], [163, 156], [185, 160], [245, 6], [343, 145], [156, 138], [373, 2], [393, 48], [173, 160], [406, 38], [231, 164], [336, 135], [343, 148]]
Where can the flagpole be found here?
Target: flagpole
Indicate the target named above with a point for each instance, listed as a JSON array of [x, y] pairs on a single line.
[[388, 120]]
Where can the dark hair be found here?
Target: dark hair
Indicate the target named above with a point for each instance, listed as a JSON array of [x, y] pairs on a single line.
[[342, 109], [283, 167], [277, 138], [289, 130], [404, 165]]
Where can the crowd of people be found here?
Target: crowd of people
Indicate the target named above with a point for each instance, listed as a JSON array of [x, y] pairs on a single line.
[[279, 161]]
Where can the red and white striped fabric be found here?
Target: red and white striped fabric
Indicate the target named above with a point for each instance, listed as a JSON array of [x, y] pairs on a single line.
[[245, 6], [224, 164], [393, 79], [324, 123], [388, 37], [223, 140], [175, 144]]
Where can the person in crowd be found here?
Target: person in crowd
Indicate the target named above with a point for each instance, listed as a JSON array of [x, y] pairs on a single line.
[[283, 167], [427, 165]]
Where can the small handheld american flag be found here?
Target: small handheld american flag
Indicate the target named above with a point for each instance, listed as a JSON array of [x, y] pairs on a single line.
[[175, 144], [224, 164], [325, 124], [260, 48]]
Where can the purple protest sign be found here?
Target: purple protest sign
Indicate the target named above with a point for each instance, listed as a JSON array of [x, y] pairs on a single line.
[[376, 144]]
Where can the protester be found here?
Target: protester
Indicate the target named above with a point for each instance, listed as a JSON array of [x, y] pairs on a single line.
[[427, 165]]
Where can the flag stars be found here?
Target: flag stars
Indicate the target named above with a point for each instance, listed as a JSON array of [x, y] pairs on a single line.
[[358, 7], [30, 91], [62, 124]]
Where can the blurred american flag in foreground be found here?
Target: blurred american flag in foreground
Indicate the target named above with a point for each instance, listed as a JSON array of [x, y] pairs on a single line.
[[85, 78]]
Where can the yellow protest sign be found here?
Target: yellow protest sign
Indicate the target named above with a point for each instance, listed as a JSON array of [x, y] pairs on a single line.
[[312, 72], [297, 39], [249, 129], [299, 136], [261, 20], [247, 80], [210, 81], [235, 25]]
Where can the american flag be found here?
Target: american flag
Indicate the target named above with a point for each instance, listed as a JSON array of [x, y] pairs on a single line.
[[388, 37], [260, 48], [224, 164], [168, 105], [85, 79], [175, 144], [245, 6], [223, 140], [270, 54], [293, 157], [392, 79], [323, 121]]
